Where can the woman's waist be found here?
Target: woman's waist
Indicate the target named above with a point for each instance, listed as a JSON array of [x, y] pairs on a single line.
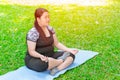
[[46, 50]]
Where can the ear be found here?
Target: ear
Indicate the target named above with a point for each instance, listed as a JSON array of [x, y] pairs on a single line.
[[38, 19]]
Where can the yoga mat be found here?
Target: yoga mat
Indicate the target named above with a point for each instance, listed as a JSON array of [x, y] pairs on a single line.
[[23, 73]]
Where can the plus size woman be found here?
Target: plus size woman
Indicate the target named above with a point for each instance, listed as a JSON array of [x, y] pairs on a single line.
[[41, 40]]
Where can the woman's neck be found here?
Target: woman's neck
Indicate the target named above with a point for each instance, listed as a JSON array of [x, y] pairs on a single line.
[[45, 30], [42, 27]]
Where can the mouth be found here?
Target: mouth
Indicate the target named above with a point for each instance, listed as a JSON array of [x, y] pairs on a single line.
[[48, 22]]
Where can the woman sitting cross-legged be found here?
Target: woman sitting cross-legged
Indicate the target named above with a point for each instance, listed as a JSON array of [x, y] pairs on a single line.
[[41, 40]]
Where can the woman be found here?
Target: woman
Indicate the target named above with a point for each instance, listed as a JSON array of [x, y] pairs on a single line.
[[41, 40]]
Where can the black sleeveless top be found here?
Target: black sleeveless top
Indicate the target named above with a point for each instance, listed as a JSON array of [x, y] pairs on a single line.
[[43, 47]]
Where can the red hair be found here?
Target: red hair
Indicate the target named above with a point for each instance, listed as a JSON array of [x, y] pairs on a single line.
[[38, 13]]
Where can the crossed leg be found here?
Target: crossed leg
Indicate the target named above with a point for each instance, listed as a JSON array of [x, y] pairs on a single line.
[[62, 66]]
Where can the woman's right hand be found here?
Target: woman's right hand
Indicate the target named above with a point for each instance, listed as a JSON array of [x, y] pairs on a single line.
[[74, 51], [44, 58]]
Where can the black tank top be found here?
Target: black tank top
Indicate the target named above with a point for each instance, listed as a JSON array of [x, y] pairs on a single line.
[[43, 47]]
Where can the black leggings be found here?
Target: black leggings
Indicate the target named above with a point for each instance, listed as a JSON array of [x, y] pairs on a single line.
[[38, 65]]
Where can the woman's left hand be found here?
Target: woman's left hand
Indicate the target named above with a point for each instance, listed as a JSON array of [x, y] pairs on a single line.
[[75, 51]]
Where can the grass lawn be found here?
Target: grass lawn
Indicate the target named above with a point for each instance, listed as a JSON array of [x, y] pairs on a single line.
[[94, 28]]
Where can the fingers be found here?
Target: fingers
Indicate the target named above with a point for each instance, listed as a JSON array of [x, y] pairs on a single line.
[[44, 58], [74, 51]]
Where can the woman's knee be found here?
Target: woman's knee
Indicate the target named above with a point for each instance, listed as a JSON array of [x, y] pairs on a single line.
[[73, 56], [37, 65]]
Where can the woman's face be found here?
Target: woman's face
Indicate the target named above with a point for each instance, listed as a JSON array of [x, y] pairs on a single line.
[[44, 19]]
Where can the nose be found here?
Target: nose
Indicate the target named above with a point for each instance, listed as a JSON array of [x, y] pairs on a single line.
[[48, 20]]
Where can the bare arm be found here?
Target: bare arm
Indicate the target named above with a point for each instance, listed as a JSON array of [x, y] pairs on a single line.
[[31, 49], [32, 52], [63, 47]]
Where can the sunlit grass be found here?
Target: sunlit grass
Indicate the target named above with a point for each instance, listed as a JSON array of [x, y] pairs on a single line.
[[58, 2], [93, 28], [93, 2]]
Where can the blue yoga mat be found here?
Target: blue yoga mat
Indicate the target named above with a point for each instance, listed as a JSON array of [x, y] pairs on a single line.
[[23, 73]]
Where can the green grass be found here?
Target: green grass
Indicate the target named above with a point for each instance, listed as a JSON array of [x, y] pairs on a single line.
[[84, 27]]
